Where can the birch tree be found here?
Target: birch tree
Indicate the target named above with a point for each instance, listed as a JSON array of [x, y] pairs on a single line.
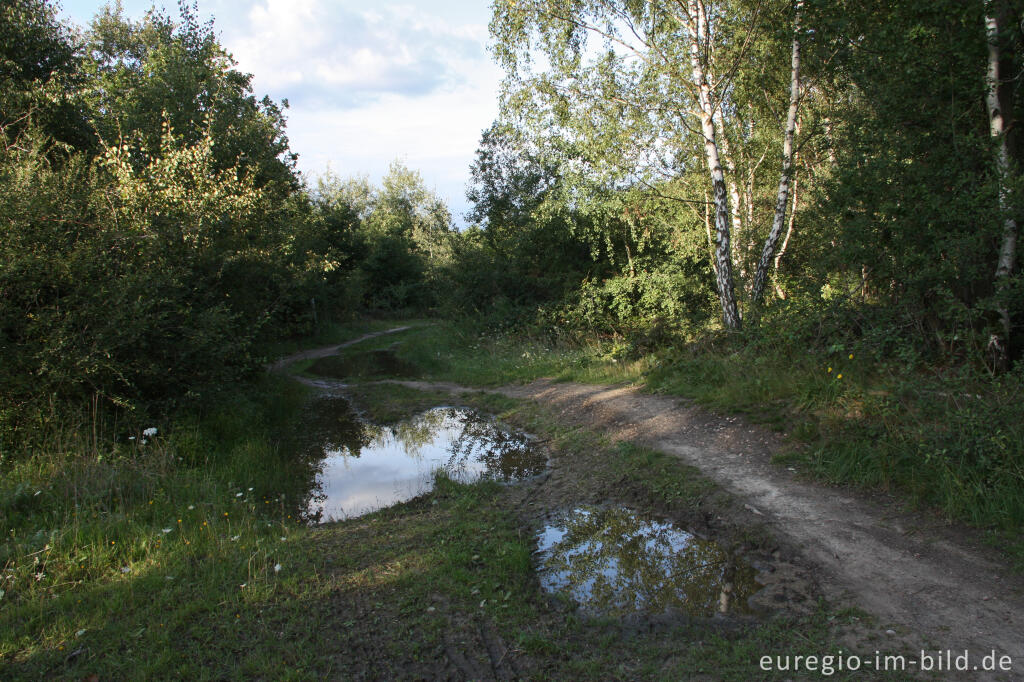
[[779, 219], [997, 129], [635, 90]]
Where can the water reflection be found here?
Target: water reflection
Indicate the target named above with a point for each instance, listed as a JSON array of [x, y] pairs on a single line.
[[613, 562], [363, 467]]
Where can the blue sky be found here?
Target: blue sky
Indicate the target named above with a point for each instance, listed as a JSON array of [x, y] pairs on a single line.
[[367, 82]]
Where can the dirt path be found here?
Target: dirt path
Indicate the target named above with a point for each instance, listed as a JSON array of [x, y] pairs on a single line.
[[316, 353], [928, 584]]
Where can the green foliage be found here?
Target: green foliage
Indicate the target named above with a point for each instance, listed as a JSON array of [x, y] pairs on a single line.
[[39, 74], [144, 259], [389, 243], [150, 74]]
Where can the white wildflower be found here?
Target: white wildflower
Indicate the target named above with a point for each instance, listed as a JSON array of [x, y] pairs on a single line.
[[239, 494], [126, 569], [167, 530], [277, 568], [234, 538], [150, 432]]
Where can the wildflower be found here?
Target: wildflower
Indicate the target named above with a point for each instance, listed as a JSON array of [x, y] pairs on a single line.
[[191, 507], [829, 370], [150, 432], [131, 437], [277, 568], [839, 376], [239, 494], [167, 530], [234, 538], [126, 569], [851, 356], [250, 489]]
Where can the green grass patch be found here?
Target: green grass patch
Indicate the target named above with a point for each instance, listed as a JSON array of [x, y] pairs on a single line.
[[949, 440], [131, 559]]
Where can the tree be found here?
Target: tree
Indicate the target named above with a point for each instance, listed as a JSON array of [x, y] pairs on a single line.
[[779, 219], [999, 121], [39, 75], [629, 113], [154, 72]]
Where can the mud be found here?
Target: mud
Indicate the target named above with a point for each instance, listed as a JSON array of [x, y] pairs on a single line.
[[926, 583]]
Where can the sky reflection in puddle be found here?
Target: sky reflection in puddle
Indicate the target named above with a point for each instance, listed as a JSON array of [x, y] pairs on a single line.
[[372, 467], [616, 563]]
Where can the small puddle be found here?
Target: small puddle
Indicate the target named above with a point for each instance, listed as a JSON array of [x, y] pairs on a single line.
[[613, 562], [364, 468]]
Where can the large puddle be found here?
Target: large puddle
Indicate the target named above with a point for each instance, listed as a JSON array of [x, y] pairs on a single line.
[[616, 563], [363, 467]]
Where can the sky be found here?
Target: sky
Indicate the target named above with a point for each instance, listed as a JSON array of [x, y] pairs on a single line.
[[367, 83]]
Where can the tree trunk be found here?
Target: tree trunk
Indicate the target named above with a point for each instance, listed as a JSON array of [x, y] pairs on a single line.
[[734, 192], [785, 240], [997, 129], [779, 220], [723, 259]]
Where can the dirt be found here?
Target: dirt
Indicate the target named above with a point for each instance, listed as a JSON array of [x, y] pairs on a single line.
[[927, 584]]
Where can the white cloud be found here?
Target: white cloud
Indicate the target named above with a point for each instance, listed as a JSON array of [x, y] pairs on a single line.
[[369, 85], [341, 55]]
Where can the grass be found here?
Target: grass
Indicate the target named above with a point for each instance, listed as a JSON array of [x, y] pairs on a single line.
[[184, 558], [128, 559]]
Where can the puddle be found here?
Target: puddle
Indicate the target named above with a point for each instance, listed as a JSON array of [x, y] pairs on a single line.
[[363, 467], [365, 365], [613, 562]]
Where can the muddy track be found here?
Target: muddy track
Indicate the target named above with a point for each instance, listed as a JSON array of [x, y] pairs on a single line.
[[928, 584], [316, 353]]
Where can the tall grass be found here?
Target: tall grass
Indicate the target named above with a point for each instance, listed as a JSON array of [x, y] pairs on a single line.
[[126, 539]]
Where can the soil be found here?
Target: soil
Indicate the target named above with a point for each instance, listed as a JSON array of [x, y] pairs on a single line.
[[928, 584], [925, 583]]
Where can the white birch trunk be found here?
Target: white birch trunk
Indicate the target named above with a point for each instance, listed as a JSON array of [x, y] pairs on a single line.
[[779, 220], [723, 259], [734, 191], [789, 233], [997, 129]]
